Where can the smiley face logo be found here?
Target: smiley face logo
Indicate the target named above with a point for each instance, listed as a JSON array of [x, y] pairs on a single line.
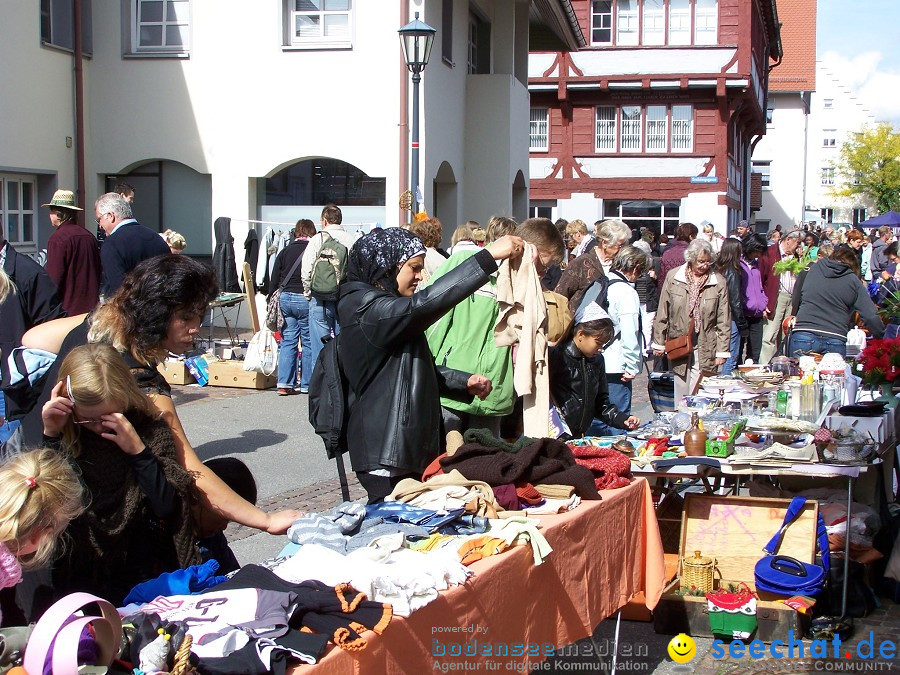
[[682, 648]]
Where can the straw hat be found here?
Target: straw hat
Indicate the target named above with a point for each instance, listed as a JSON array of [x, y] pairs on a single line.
[[64, 199]]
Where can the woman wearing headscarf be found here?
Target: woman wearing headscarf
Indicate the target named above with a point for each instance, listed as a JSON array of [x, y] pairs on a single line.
[[395, 387]]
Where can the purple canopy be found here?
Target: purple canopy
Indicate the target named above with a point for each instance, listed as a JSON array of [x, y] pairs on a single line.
[[891, 218]]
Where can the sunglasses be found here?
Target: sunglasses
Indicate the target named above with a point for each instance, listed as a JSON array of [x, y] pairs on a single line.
[[72, 398]]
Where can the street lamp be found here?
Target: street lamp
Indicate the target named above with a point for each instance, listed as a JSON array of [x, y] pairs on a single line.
[[416, 38]]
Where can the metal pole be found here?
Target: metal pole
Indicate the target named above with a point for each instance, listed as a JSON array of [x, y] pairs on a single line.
[[846, 548], [414, 171]]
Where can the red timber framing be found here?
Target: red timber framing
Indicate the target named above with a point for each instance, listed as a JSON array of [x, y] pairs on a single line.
[[723, 80]]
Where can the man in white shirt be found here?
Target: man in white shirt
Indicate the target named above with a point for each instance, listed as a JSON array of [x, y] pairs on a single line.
[[322, 313], [787, 251]]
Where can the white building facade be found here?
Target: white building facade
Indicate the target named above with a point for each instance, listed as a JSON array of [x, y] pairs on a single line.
[[835, 116], [264, 111]]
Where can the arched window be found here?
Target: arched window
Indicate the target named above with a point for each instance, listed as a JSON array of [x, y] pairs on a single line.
[[323, 180]]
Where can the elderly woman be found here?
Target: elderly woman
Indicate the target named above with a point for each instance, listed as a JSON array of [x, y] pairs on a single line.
[[395, 409], [694, 300], [624, 358], [584, 270], [156, 311]]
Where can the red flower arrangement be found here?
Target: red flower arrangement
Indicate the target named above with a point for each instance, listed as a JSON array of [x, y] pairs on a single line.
[[880, 362]]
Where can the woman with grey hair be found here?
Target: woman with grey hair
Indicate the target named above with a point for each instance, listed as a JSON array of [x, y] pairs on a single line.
[[648, 294], [694, 301], [611, 236], [624, 357]]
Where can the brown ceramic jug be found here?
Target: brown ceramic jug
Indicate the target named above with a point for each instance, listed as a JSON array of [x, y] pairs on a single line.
[[695, 439]]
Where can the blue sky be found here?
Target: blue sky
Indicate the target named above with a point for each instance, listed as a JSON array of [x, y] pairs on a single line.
[[859, 40]]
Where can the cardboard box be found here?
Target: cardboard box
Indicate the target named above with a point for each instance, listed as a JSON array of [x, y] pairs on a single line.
[[733, 531], [175, 372], [232, 374]]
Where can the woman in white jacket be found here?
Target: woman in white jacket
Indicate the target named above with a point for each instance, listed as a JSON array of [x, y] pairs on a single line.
[[624, 359]]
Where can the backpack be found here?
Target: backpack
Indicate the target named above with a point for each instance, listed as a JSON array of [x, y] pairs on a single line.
[[598, 292], [328, 410], [329, 269]]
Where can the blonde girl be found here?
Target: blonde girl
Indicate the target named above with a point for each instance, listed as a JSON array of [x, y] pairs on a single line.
[[138, 524], [39, 494]]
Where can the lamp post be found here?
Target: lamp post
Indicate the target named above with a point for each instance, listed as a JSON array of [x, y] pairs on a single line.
[[417, 38]]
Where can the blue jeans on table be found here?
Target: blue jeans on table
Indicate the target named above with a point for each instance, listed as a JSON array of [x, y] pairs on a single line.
[[322, 322], [619, 396], [295, 309], [734, 348], [803, 342]]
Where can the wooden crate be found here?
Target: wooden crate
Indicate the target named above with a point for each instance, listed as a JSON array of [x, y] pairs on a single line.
[[232, 374], [175, 372], [733, 531]]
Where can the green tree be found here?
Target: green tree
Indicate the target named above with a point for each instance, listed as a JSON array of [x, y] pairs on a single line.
[[870, 166]]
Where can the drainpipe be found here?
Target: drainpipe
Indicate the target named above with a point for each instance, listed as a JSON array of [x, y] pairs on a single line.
[[79, 114], [803, 97], [403, 125]]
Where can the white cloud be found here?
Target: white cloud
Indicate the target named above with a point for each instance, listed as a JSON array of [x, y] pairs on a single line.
[[876, 86]]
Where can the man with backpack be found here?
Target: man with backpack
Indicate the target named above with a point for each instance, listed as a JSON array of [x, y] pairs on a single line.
[[323, 268]]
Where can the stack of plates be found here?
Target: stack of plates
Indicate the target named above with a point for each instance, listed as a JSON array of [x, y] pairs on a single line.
[[757, 379]]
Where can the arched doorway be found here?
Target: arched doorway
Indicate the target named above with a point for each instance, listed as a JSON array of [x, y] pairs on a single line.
[[171, 195], [301, 189], [445, 191], [520, 197]]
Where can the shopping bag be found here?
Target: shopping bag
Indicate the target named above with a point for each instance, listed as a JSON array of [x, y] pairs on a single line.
[[262, 353]]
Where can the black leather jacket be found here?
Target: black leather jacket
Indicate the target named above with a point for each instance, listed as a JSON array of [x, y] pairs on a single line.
[[395, 408], [579, 389], [736, 298]]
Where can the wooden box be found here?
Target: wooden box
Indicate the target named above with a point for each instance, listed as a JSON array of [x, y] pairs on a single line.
[[175, 372], [733, 531], [232, 374]]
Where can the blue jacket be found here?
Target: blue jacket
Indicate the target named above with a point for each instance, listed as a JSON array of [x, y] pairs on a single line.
[[124, 249]]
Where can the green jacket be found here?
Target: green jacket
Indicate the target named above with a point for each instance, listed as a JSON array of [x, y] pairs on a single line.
[[463, 339]]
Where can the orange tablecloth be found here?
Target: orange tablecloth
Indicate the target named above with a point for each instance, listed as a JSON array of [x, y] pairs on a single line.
[[603, 553]]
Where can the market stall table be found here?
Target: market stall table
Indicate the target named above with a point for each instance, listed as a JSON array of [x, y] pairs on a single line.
[[693, 467], [512, 612]]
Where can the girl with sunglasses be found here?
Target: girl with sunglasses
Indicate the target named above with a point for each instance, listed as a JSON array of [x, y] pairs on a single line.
[[138, 524]]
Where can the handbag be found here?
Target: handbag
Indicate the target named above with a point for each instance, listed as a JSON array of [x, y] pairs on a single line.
[[681, 347], [56, 635], [262, 353], [274, 317], [784, 575]]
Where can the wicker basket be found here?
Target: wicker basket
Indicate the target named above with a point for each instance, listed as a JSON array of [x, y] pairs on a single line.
[[697, 572]]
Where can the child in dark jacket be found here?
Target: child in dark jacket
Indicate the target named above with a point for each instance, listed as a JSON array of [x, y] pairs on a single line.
[[578, 375]]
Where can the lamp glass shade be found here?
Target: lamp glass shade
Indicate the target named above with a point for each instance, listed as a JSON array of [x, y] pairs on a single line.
[[417, 38]]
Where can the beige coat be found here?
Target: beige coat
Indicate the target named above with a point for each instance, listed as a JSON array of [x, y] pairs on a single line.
[[714, 331]]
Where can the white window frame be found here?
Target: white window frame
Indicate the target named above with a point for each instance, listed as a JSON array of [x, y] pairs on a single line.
[[656, 129], [628, 23], [162, 49], [829, 139], [770, 116], [602, 21], [827, 175], [826, 215], [627, 128], [653, 24], [539, 130], [606, 139], [859, 214], [828, 103], [764, 169], [13, 233], [679, 27], [706, 24], [319, 41], [682, 129]]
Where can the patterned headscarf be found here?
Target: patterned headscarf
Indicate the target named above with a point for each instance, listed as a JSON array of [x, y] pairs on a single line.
[[376, 258]]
